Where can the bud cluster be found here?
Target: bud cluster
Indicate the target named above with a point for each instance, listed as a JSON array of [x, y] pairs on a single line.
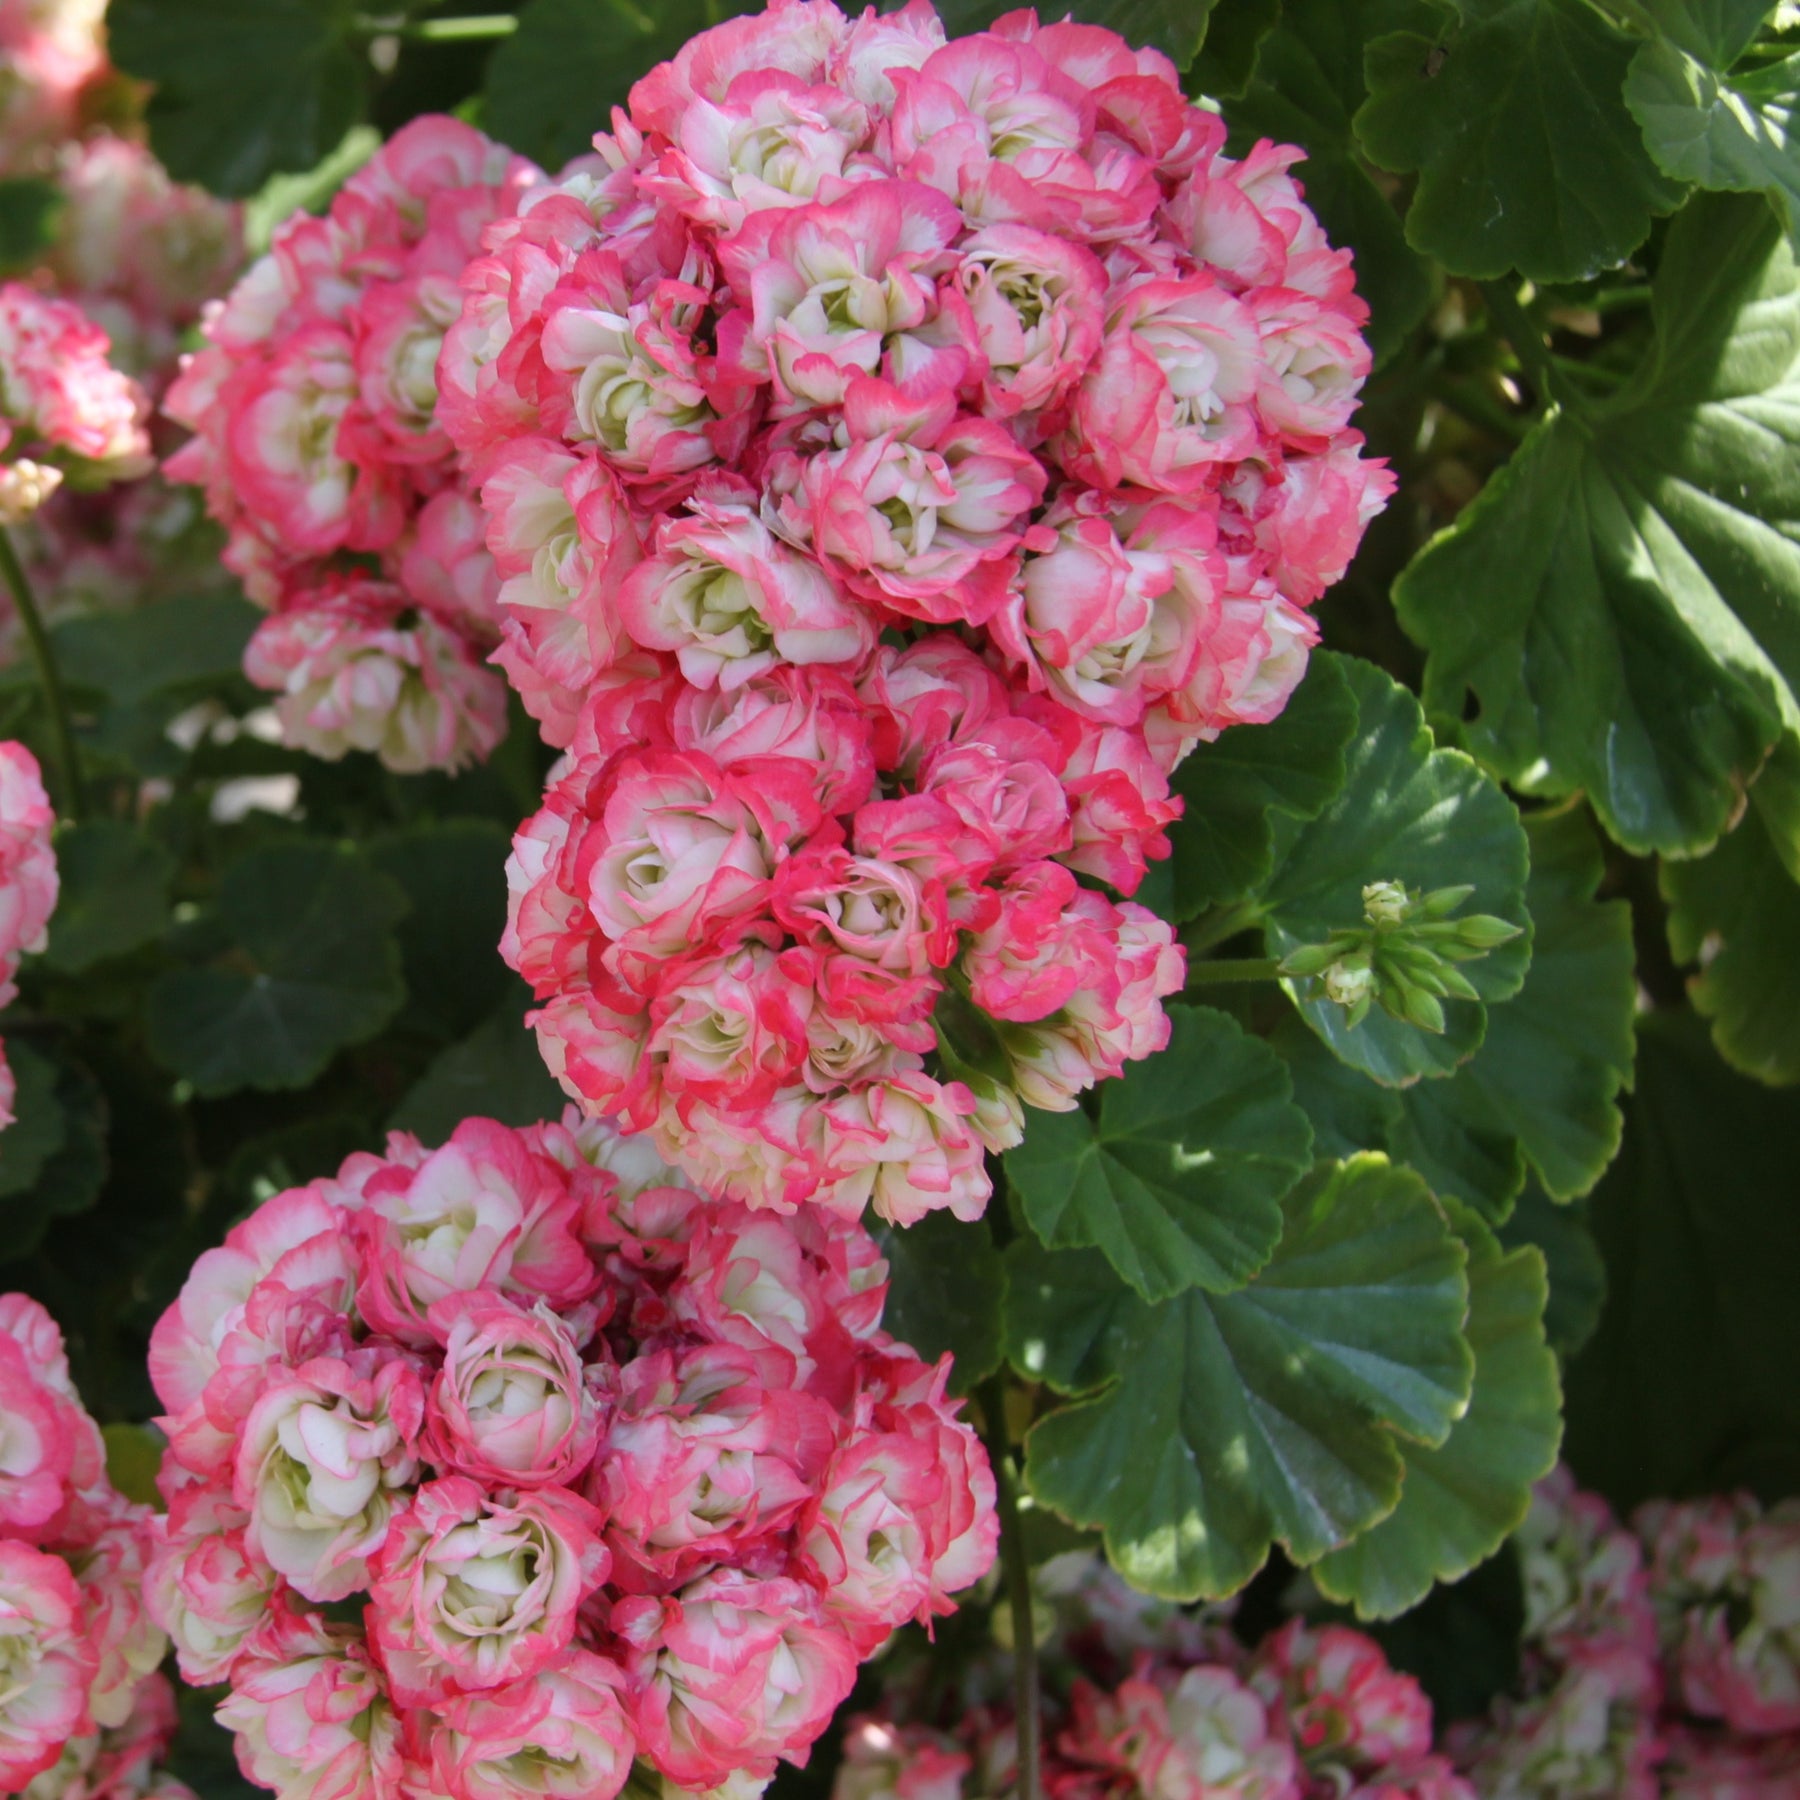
[[1403, 957]]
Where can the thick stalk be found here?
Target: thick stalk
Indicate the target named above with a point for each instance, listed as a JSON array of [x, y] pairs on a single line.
[[1017, 1571], [62, 732], [1526, 340], [1230, 968]]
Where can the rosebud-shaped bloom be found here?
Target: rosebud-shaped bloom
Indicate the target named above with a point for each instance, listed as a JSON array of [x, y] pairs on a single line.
[[1201, 1735], [730, 600], [904, 1147], [510, 1405], [1340, 1698], [1038, 303], [1313, 364], [28, 879], [356, 668], [484, 1211], [60, 399], [46, 1663], [471, 1592], [202, 1586], [883, 1761], [731, 1674], [707, 1454], [844, 289], [323, 1454], [41, 1434], [109, 1564], [561, 1734], [903, 1517], [1169, 396], [311, 1713]]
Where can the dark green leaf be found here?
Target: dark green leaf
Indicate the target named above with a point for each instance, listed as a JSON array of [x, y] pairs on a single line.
[[115, 893], [1349, 1112], [1688, 1386], [1231, 1420], [1717, 31], [496, 1072], [241, 92], [554, 82], [454, 875], [1543, 1087], [29, 205], [1224, 843], [1179, 1178], [945, 1284], [1309, 83], [56, 1169], [1408, 812], [1227, 58], [1737, 914], [133, 1456], [1572, 1258], [1726, 133], [311, 968], [1513, 116], [1462, 1643], [183, 646], [1619, 599], [1464, 1497]]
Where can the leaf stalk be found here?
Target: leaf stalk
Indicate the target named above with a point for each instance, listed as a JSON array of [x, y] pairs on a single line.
[[1016, 1568], [62, 731]]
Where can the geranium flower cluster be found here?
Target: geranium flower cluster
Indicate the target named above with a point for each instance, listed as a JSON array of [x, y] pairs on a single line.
[[139, 252], [314, 408], [1162, 1707], [897, 453], [51, 52], [83, 1711], [1663, 1659], [495, 1467], [28, 883], [64, 409]]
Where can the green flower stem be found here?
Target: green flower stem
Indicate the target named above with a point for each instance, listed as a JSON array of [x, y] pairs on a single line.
[[1017, 1570], [1241, 968], [61, 730], [475, 28], [1526, 339], [1216, 926]]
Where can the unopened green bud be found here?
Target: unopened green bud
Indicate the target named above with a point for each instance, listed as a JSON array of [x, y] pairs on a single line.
[[1386, 902], [1482, 931], [1310, 959], [1421, 1009], [1441, 902]]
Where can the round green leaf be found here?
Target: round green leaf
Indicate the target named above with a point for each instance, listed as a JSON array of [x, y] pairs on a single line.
[[309, 967], [945, 1283], [1179, 1177], [114, 896], [1463, 1498], [1543, 1088], [242, 92], [1409, 812], [496, 1072], [1619, 598], [1223, 845], [1513, 116], [1230, 1420], [1560, 1229], [53, 1157]]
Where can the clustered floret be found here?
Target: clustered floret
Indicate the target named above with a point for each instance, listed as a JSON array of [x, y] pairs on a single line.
[[897, 452], [65, 411], [84, 1714], [1147, 1703], [28, 881], [495, 1467], [1660, 1660], [51, 53], [317, 441]]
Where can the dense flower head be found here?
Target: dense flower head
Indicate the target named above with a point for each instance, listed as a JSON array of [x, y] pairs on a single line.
[[84, 1715], [28, 890], [1161, 1704], [604, 1471], [63, 406], [1725, 1581], [896, 452], [50, 52], [317, 442]]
